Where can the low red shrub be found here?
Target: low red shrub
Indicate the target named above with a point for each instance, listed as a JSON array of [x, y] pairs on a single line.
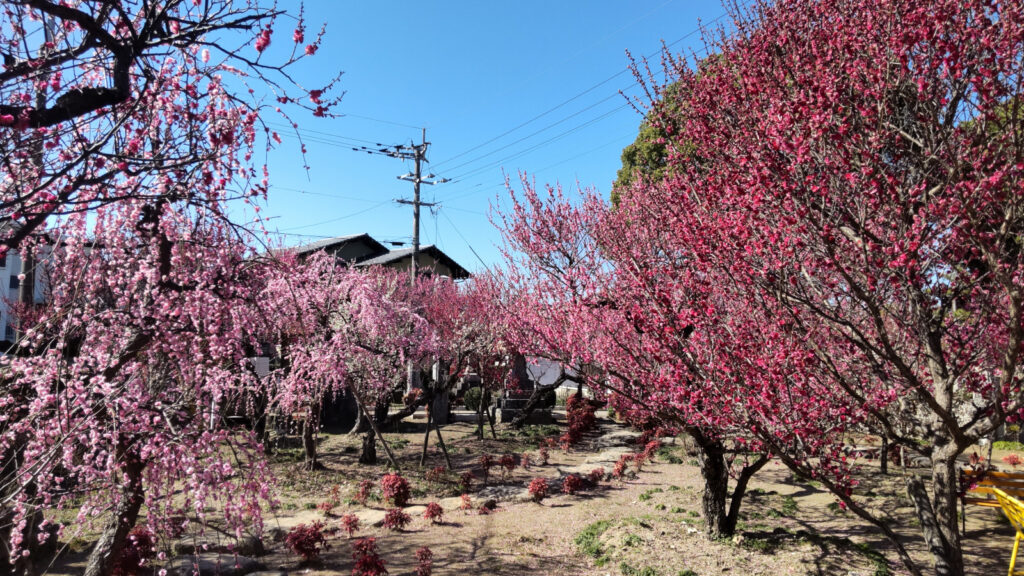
[[396, 520], [434, 513], [538, 489], [368, 561], [307, 540], [485, 462], [572, 484], [466, 481], [436, 475], [395, 490], [424, 562], [363, 493], [141, 546], [508, 462], [350, 522]]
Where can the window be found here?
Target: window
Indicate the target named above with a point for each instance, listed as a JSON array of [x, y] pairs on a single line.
[[15, 283], [9, 333]]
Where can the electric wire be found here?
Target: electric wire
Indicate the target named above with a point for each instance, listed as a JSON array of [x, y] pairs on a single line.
[[576, 97]]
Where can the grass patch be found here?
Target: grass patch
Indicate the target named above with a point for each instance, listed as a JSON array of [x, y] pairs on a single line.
[[1007, 445], [876, 558], [628, 570], [789, 506], [649, 494], [632, 540], [589, 541], [686, 572], [670, 454], [835, 508], [398, 443]]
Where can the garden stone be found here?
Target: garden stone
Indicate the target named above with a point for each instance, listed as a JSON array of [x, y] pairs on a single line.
[[250, 545], [616, 438], [450, 503], [215, 565], [611, 455], [504, 493], [370, 517]]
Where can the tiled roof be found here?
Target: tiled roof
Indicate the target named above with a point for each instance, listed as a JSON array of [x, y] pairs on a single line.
[[393, 256]]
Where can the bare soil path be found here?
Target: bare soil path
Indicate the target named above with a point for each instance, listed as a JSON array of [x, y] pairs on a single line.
[[647, 525]]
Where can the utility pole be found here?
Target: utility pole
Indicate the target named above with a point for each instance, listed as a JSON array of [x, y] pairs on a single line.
[[419, 156]]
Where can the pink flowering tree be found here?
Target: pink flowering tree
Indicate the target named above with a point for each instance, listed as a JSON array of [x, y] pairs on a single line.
[[126, 133], [94, 97], [471, 335], [117, 403], [341, 328], [854, 211]]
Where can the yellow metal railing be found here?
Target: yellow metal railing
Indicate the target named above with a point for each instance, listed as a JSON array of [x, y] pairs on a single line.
[[1014, 510]]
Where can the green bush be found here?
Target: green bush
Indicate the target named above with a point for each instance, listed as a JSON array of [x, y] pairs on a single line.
[[472, 399], [1007, 445]]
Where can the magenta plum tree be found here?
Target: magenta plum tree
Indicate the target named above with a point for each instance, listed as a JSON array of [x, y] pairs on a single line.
[[852, 210]]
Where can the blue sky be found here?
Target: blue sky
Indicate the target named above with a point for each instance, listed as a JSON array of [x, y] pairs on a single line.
[[516, 86]]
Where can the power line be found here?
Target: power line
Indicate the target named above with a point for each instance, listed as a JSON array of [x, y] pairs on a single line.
[[540, 144], [468, 245], [574, 98], [382, 121], [323, 194], [374, 207], [532, 134]]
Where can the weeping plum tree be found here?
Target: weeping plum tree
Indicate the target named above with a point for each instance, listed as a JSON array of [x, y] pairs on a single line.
[[856, 217], [344, 329], [470, 334], [124, 138], [84, 83], [118, 403]]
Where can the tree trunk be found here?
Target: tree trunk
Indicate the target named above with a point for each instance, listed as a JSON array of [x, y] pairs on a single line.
[[739, 491], [368, 455], [259, 423], [535, 398], [108, 548], [490, 420], [309, 434], [715, 472], [938, 515], [426, 435], [480, 416], [883, 455], [362, 422]]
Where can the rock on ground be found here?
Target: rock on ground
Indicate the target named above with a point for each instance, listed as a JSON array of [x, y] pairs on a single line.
[[214, 565]]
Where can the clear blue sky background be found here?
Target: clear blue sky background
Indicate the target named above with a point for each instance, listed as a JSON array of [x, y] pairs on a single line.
[[516, 86]]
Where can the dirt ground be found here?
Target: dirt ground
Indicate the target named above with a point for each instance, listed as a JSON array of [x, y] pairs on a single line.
[[647, 525]]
